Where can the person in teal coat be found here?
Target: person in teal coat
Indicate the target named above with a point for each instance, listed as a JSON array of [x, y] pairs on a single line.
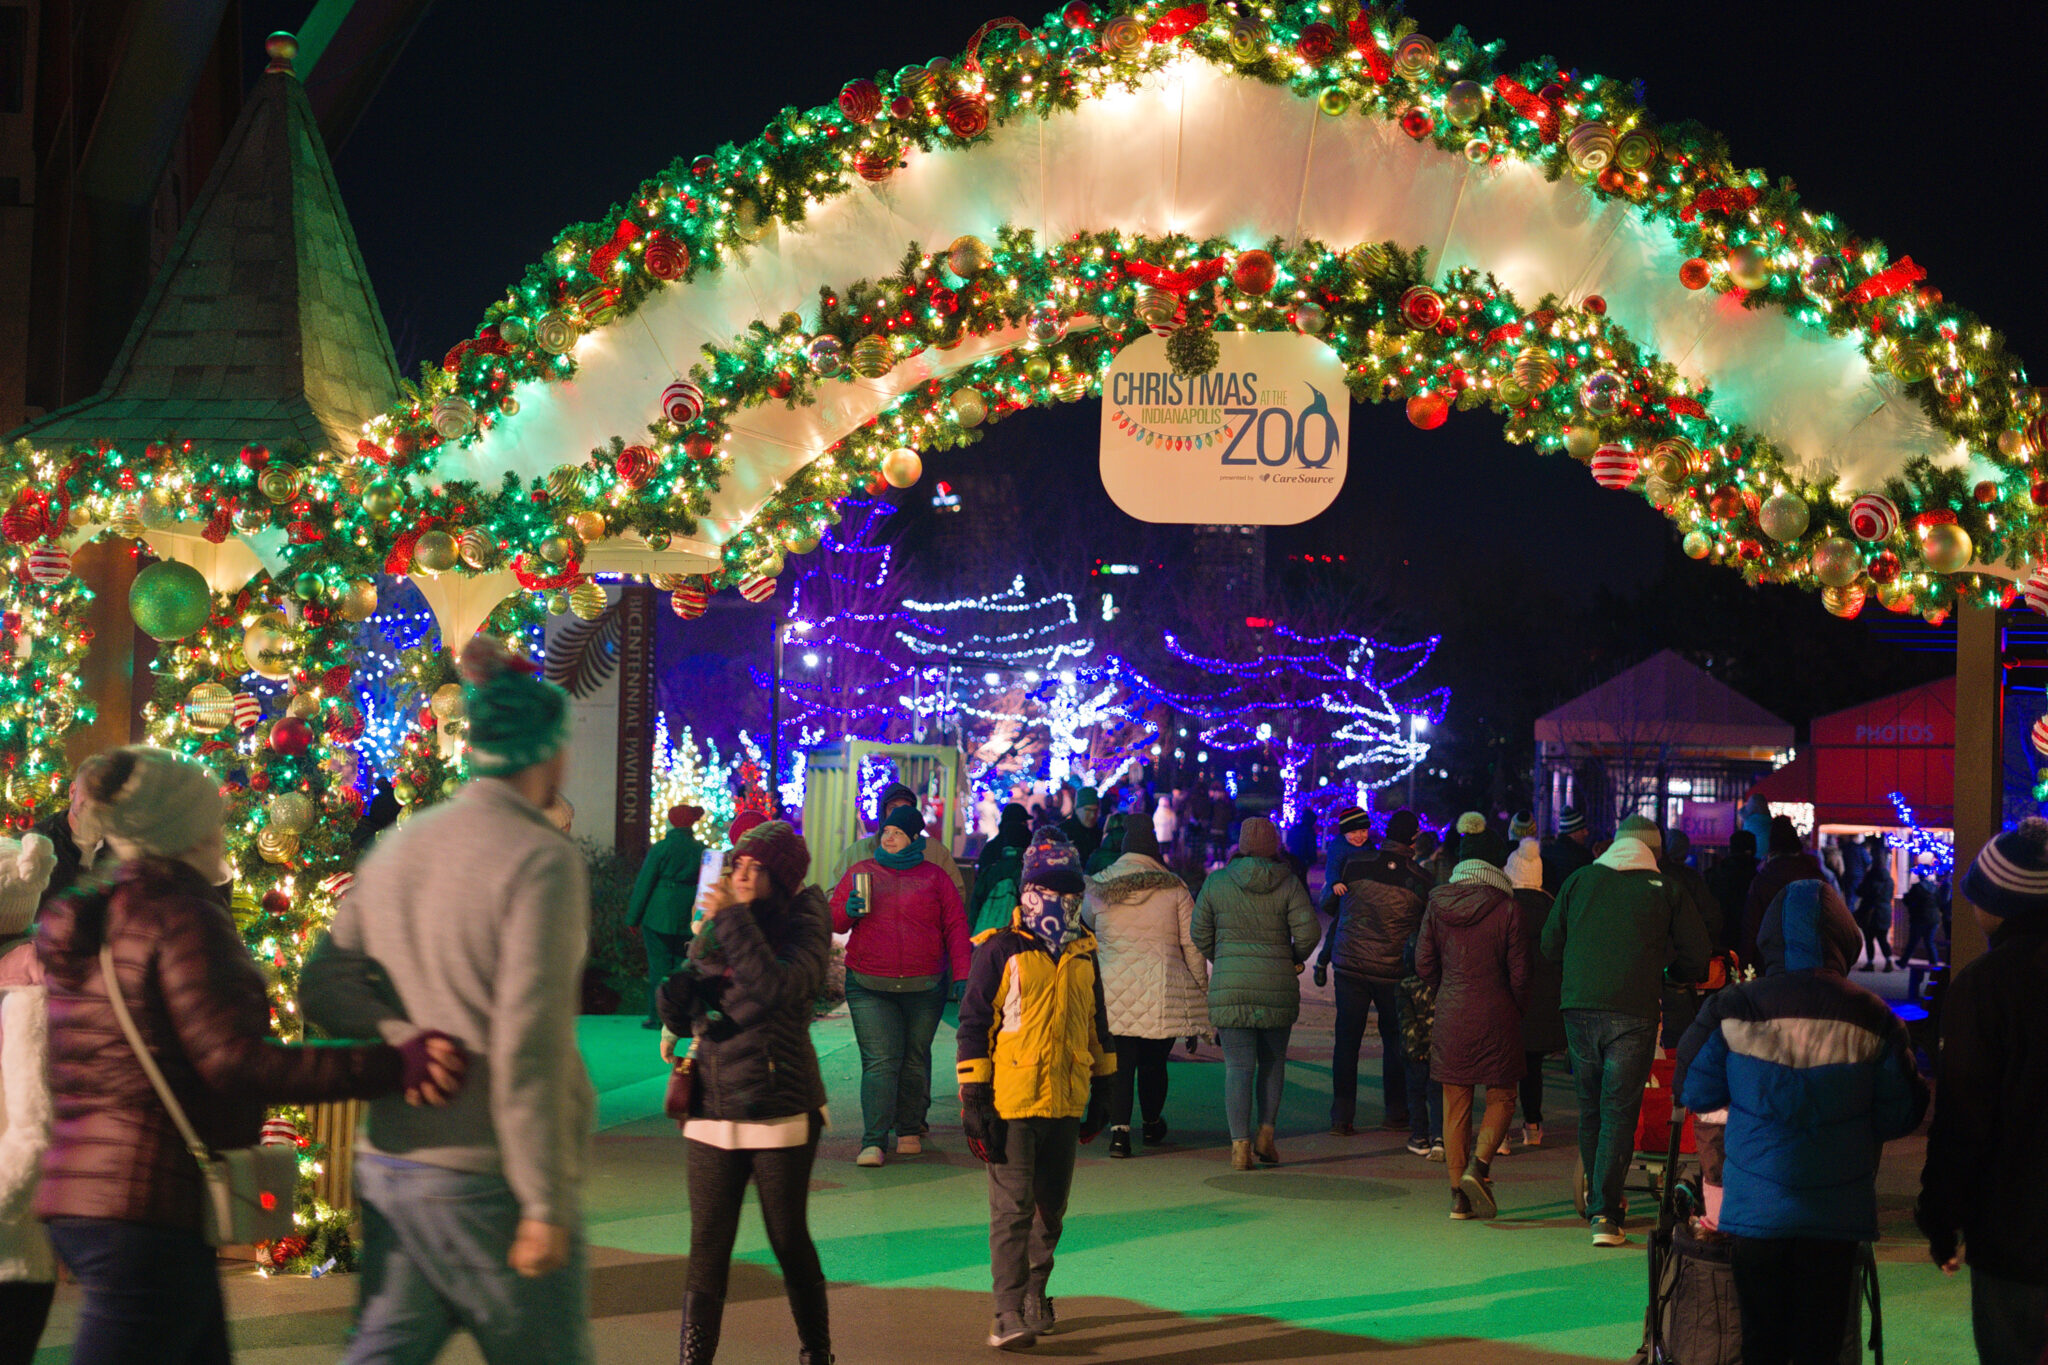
[[664, 896]]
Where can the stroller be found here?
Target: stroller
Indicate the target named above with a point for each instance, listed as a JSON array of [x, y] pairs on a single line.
[[1694, 1317]]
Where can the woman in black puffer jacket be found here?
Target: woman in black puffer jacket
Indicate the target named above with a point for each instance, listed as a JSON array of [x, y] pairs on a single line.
[[746, 998]]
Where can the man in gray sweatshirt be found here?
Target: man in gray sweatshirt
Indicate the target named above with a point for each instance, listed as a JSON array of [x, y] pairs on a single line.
[[473, 918]]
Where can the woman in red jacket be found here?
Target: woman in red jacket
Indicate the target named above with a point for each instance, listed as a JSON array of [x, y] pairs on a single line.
[[909, 930]]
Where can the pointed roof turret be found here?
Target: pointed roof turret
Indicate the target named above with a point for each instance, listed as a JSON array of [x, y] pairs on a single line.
[[261, 325]]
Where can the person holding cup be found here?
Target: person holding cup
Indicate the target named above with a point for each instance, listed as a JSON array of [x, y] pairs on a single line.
[[908, 930]]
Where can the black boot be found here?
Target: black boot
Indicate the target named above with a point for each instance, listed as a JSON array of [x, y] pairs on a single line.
[[702, 1314], [812, 1310]]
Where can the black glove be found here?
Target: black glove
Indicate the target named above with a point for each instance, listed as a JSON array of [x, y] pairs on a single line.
[[1941, 1241], [1097, 1117], [985, 1129], [1322, 975], [676, 1001]]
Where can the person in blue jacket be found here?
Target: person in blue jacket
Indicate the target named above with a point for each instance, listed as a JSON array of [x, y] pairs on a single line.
[[1817, 1075], [1354, 832]]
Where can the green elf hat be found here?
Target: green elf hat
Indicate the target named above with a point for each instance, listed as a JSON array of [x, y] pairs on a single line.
[[516, 718]]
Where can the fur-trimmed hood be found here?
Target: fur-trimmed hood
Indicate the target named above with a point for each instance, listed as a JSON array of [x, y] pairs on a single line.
[[1130, 878]]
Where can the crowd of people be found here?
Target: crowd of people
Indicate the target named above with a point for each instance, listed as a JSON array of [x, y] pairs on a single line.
[[1086, 946]]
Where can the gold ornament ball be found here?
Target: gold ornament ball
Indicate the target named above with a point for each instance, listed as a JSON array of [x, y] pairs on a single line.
[[1512, 393], [1843, 602], [434, 552], [871, 356], [901, 468], [565, 481], [277, 846], [404, 793], [1464, 103], [1248, 40], [1749, 268], [359, 599], [557, 549], [1698, 545], [1946, 548], [771, 566], [1581, 442], [447, 703], [1038, 369], [381, 499], [1535, 370], [587, 601], [556, 602], [303, 705], [280, 482], [970, 409], [968, 257], [554, 333], [1837, 561], [657, 541], [1673, 459], [1333, 102], [1895, 596], [1784, 517], [588, 526], [2012, 444], [291, 812], [209, 708], [478, 550], [802, 542]]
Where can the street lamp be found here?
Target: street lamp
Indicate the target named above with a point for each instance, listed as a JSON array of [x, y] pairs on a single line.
[[783, 631], [1416, 725]]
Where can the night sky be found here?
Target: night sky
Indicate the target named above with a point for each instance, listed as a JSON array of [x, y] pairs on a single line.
[[504, 122]]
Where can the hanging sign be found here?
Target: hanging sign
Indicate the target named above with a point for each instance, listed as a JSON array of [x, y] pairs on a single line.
[[1260, 440]]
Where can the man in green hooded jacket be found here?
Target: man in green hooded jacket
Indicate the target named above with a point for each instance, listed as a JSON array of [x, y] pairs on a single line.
[[664, 896]]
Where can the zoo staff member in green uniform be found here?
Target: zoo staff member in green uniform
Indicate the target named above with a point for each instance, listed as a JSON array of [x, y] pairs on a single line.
[[664, 896]]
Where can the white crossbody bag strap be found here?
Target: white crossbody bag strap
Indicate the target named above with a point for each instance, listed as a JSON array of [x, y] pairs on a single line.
[[200, 1152]]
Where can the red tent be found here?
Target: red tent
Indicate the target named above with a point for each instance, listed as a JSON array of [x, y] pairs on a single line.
[[1903, 743]]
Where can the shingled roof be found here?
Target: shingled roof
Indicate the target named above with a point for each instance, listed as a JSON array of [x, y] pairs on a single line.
[[261, 326]]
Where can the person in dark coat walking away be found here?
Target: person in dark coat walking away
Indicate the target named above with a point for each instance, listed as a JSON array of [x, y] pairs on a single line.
[[1874, 894], [1084, 827], [1222, 820], [1035, 1063], [1542, 1017], [1618, 926], [1816, 1075], [1253, 920], [1472, 952], [1354, 832], [1789, 862], [999, 872], [907, 932], [757, 1103], [1923, 912], [1112, 846], [1682, 1002], [1729, 880], [664, 899], [121, 1196], [1379, 911], [1981, 1195], [1569, 851]]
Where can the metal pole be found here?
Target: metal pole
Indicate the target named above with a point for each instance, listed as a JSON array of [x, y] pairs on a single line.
[[775, 732], [1979, 789]]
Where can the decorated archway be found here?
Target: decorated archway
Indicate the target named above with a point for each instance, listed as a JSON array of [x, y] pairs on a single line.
[[684, 389]]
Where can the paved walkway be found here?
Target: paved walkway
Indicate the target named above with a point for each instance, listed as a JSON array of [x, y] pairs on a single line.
[[1343, 1253]]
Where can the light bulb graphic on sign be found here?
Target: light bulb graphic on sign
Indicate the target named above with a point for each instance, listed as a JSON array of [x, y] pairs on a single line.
[[1254, 441]]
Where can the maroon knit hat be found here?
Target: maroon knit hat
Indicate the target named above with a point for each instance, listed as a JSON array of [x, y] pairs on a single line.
[[780, 850], [682, 817]]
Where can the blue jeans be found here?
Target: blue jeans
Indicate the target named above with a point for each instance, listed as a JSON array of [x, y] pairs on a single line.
[[1254, 1059], [151, 1293], [894, 1030], [1611, 1055], [1355, 996], [434, 1249], [2009, 1319], [1425, 1104]]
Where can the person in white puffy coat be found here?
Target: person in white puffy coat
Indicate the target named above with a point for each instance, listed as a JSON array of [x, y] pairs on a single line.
[[1154, 979], [28, 1270]]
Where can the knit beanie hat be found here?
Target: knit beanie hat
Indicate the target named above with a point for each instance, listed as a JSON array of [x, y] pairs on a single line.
[[1015, 822], [1485, 845], [1351, 819], [1087, 797], [25, 869], [780, 851], [1258, 837], [1402, 827], [1525, 864], [892, 794], [1570, 820], [683, 817], [1784, 836], [1053, 862], [516, 718], [2009, 878], [1640, 827], [1139, 838], [1471, 822], [906, 818], [164, 804], [1522, 826], [746, 820]]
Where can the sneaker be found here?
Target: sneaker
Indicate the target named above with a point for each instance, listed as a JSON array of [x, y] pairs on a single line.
[[1506, 1146], [1155, 1132], [1038, 1315], [1343, 1130], [1009, 1333], [1119, 1142], [1479, 1190], [1419, 1146], [650, 1023], [910, 1144], [1461, 1207], [1532, 1135], [1608, 1233], [1436, 1149], [869, 1156]]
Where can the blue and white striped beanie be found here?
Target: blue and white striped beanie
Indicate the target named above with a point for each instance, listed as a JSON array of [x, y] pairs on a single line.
[[2010, 876]]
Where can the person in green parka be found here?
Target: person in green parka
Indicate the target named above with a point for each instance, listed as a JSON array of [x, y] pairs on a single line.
[[664, 896], [999, 872]]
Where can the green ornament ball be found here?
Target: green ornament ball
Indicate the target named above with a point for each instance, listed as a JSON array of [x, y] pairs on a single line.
[[1038, 369], [169, 600]]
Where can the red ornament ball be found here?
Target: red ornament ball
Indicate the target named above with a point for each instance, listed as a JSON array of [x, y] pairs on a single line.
[[1418, 123], [1254, 272], [700, 448], [1749, 549], [635, 465], [1883, 567], [875, 167], [254, 457], [1696, 273], [276, 902], [860, 101], [2039, 493], [1726, 502], [1429, 410], [703, 167], [664, 256], [1422, 308], [1985, 492], [291, 737], [1078, 16], [781, 384], [1595, 305], [967, 116], [1317, 43]]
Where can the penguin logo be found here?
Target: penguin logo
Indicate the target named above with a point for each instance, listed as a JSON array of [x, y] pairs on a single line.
[[1319, 408]]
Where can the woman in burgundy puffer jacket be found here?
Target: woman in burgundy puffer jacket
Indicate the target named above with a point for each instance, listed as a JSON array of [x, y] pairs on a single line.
[[120, 1193], [1471, 950], [908, 932]]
